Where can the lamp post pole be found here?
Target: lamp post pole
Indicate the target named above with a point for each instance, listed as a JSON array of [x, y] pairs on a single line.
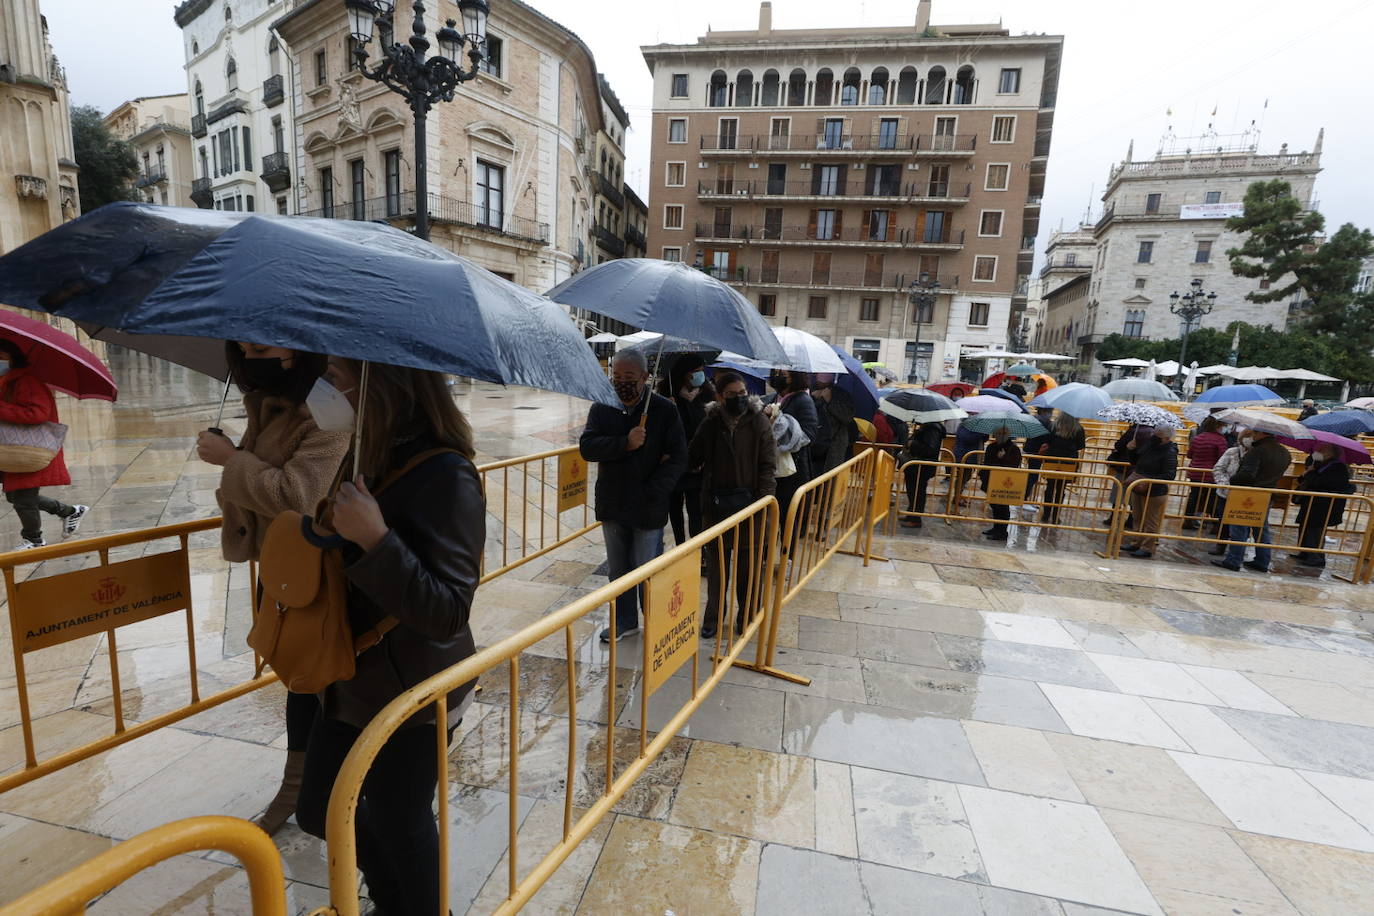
[[922, 293], [1190, 306], [420, 79]]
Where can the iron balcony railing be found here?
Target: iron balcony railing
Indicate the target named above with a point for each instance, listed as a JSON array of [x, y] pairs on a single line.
[[198, 128], [823, 143], [850, 188], [609, 191], [610, 241], [441, 210], [878, 234], [946, 143], [273, 91], [276, 171], [201, 194], [636, 237], [151, 177]]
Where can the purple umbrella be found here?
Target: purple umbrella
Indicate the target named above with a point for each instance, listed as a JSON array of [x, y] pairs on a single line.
[[1351, 452]]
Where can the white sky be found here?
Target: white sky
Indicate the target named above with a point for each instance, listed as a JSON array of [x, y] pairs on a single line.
[[1125, 65]]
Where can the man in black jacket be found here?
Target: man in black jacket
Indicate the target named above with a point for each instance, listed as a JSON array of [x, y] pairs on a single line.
[[642, 452], [1263, 466], [1156, 459]]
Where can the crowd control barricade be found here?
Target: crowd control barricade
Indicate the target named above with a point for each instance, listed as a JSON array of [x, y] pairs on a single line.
[[1347, 535], [69, 894], [539, 503], [673, 609], [50, 610]]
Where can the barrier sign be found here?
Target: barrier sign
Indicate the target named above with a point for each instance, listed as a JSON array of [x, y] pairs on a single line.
[[673, 600], [1006, 486], [1057, 470], [1246, 507], [57, 609], [572, 481]]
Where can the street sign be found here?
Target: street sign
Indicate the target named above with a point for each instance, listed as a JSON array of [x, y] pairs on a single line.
[[670, 618], [572, 481], [1006, 486], [1247, 508]]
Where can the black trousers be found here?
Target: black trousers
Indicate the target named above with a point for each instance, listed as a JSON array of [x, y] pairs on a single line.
[[1001, 513], [1200, 503], [718, 574], [689, 501], [30, 505], [1312, 535], [1054, 498], [398, 840], [917, 481]]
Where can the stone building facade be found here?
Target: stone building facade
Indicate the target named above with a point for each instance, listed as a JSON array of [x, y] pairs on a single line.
[[1163, 225], [512, 173], [1068, 256], [159, 130], [241, 122], [38, 187], [823, 171]]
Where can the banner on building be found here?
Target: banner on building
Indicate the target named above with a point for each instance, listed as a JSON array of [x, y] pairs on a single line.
[[1210, 211]]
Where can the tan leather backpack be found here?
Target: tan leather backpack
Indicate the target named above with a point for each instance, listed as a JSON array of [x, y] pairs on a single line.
[[300, 625]]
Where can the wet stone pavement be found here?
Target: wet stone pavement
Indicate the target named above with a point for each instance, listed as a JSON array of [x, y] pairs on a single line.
[[1009, 729]]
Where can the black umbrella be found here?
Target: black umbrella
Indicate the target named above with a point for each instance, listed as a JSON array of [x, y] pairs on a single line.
[[920, 406]]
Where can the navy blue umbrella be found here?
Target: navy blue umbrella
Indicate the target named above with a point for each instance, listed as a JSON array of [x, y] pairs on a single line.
[[1342, 422], [353, 289], [1005, 395], [858, 383], [672, 298]]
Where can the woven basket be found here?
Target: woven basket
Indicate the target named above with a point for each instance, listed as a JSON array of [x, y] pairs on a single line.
[[26, 448]]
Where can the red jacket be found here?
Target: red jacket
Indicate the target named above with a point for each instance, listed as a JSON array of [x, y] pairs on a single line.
[[24, 399], [1203, 453]]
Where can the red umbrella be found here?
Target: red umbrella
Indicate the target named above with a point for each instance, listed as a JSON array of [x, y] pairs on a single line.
[[57, 359], [1352, 452]]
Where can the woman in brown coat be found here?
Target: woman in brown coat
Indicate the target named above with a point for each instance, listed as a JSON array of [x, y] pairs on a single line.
[[284, 461]]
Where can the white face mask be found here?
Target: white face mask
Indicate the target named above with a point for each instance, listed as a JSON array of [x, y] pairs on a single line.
[[329, 407]]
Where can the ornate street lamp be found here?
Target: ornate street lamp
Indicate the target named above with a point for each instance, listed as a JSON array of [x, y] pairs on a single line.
[[1190, 306], [922, 294], [420, 79]]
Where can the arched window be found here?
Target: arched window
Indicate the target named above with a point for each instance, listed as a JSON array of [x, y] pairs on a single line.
[[200, 99], [274, 57], [825, 86], [849, 89], [877, 87], [771, 81], [796, 88], [195, 46], [963, 86], [231, 74], [744, 89], [718, 90], [906, 86], [935, 86]]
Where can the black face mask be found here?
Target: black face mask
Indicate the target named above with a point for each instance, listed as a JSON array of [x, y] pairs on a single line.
[[778, 382], [734, 406], [263, 373]]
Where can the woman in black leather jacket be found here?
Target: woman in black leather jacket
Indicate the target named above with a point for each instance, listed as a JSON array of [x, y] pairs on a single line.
[[414, 554]]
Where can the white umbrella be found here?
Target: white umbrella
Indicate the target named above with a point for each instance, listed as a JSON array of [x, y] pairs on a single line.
[[804, 352], [603, 337], [1129, 362], [993, 354], [1139, 389], [629, 340], [1167, 368], [1214, 370], [1048, 357], [1265, 422], [1306, 375], [1250, 373]]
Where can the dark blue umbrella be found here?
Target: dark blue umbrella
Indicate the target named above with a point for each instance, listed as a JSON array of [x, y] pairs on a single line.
[[857, 383], [1342, 422], [672, 298], [1005, 395], [352, 289]]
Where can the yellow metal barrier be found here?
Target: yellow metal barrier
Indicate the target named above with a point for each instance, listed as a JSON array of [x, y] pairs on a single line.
[[672, 583], [47, 611], [532, 523], [1354, 536], [70, 894]]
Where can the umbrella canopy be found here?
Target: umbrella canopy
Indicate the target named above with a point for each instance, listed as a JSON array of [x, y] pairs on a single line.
[[604, 337], [982, 403], [1021, 370], [1365, 403], [1129, 362], [1139, 389], [857, 383], [1141, 415], [1306, 375], [660, 345], [994, 354], [1168, 367], [1005, 395], [672, 298], [1214, 370], [915, 405], [1238, 396], [1041, 378], [1015, 422], [1342, 422], [1250, 373], [884, 372], [1350, 451], [1075, 399], [57, 359], [241, 276], [1265, 422], [799, 351]]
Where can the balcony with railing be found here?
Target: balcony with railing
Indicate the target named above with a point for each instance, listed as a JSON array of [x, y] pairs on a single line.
[[154, 175], [273, 91], [825, 143], [201, 194], [946, 144], [276, 172], [441, 210], [198, 128], [609, 241], [607, 189], [871, 235], [878, 191], [635, 236]]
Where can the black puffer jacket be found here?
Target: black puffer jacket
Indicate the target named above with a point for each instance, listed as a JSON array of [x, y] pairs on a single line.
[[633, 487], [1156, 459], [424, 573], [1331, 477]]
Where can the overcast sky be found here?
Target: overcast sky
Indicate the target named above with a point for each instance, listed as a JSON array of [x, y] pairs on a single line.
[[1125, 67]]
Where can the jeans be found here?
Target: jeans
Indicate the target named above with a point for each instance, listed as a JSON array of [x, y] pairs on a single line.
[[627, 549], [29, 505], [1236, 552], [398, 840]]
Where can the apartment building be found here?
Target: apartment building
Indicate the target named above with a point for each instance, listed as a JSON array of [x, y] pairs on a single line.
[[158, 128], [1164, 225], [511, 160], [822, 172], [609, 229], [236, 75], [1069, 256]]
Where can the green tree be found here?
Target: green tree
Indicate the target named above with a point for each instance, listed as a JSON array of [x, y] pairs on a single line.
[[108, 165]]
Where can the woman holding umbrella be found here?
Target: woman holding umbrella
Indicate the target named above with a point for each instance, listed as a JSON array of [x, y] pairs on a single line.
[[923, 444], [26, 400], [687, 387], [1001, 452], [413, 554], [1326, 472], [285, 461]]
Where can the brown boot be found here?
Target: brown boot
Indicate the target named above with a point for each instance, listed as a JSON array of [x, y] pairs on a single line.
[[284, 804]]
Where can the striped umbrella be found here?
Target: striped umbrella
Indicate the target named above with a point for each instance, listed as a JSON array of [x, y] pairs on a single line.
[[917, 406]]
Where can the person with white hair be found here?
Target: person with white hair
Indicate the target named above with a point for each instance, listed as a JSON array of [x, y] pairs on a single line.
[[1309, 409], [1156, 459]]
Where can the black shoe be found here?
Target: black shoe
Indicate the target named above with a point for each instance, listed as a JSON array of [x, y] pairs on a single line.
[[1139, 554], [708, 632], [1296, 556], [1224, 565], [619, 634], [1191, 526], [1318, 563], [1130, 548], [989, 532], [1251, 564], [996, 536]]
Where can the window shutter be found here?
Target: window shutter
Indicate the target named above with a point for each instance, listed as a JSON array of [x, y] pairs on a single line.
[[811, 226], [920, 225], [816, 172], [868, 222], [839, 224], [839, 186]]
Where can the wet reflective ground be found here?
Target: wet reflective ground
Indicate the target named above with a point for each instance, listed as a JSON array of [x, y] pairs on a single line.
[[988, 729]]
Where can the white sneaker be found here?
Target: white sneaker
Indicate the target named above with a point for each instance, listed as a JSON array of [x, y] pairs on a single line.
[[26, 544], [73, 521]]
